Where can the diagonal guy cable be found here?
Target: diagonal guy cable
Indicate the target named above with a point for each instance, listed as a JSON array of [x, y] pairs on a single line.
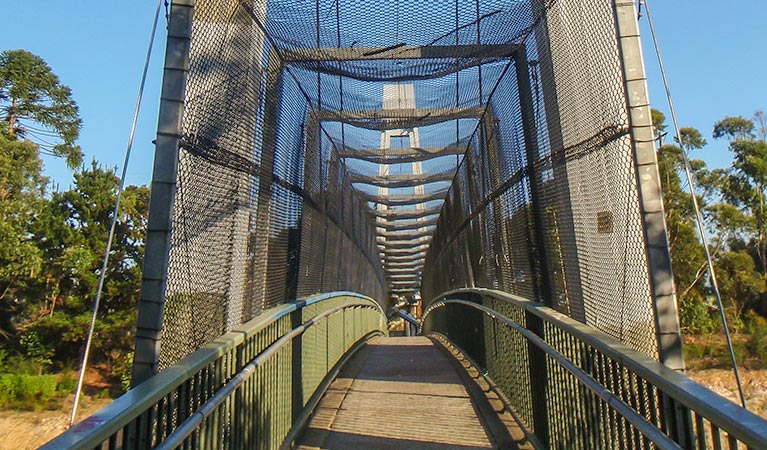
[[698, 215], [102, 275]]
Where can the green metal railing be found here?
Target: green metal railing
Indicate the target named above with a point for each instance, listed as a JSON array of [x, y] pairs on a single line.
[[252, 388], [573, 387]]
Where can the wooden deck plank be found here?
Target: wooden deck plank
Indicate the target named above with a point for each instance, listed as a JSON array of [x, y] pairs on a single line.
[[399, 393]]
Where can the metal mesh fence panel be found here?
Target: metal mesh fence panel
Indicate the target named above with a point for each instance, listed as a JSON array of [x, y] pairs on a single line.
[[396, 147], [263, 213], [548, 199]]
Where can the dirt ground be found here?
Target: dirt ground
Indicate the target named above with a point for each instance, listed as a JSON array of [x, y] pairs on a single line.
[[26, 430], [23, 430]]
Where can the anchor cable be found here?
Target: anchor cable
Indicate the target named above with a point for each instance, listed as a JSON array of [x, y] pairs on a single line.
[[698, 215], [105, 262]]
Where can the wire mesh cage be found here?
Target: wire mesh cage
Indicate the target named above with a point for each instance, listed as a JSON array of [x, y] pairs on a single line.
[[394, 147]]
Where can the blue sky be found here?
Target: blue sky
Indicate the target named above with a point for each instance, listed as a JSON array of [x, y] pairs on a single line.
[[714, 51]]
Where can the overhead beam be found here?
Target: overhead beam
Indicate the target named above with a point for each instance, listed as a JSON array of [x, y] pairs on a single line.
[[419, 268], [399, 51], [410, 213], [403, 199], [400, 155], [391, 119], [417, 264], [403, 244], [332, 115], [408, 282], [398, 270], [401, 283], [404, 251], [405, 235], [405, 284], [399, 225], [404, 276], [401, 180], [404, 258]]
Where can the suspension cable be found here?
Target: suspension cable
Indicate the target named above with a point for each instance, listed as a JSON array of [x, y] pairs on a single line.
[[698, 215], [105, 262]]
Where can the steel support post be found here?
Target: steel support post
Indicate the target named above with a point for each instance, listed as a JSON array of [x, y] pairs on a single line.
[[493, 145], [571, 276], [537, 359], [648, 182], [165, 171], [539, 380], [260, 243], [539, 263]]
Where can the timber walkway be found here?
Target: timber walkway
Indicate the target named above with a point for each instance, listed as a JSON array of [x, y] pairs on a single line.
[[408, 392]]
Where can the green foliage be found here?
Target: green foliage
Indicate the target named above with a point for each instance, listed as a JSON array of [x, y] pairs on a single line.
[[52, 243], [124, 368], [756, 326], [35, 350], [27, 391], [35, 105], [691, 138], [695, 316], [21, 189], [736, 225], [734, 127], [687, 254], [741, 286], [71, 230]]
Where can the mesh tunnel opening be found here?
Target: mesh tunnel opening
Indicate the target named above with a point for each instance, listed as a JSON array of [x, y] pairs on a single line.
[[394, 147]]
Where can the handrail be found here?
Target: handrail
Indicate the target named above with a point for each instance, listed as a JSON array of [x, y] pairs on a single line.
[[93, 430], [412, 320], [736, 421], [411, 323], [191, 423], [649, 431]]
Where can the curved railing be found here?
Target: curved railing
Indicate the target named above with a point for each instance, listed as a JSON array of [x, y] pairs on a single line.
[[251, 388], [571, 386]]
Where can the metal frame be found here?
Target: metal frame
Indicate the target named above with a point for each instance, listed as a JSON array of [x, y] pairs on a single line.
[[481, 51], [164, 176], [649, 431], [400, 155], [404, 199], [392, 119], [559, 168], [668, 331]]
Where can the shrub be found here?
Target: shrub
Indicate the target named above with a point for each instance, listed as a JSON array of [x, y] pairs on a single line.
[[756, 326], [27, 391], [695, 316], [21, 365]]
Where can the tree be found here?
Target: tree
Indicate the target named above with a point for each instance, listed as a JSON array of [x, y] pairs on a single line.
[[72, 232], [35, 105], [21, 189], [734, 127], [741, 286], [691, 139], [744, 184], [687, 256]]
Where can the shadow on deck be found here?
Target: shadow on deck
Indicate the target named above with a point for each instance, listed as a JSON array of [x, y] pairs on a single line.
[[409, 392]]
